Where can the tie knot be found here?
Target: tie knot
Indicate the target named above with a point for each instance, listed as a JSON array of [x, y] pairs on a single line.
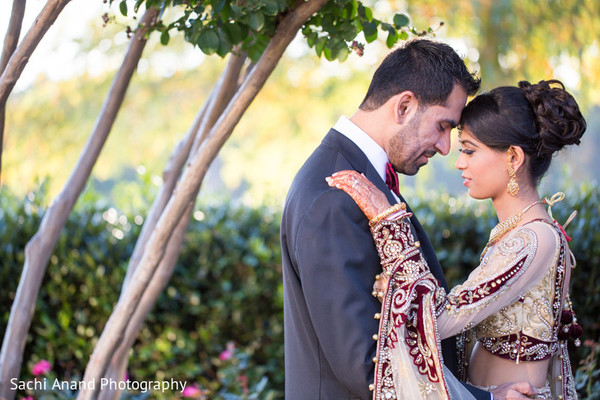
[[391, 179]]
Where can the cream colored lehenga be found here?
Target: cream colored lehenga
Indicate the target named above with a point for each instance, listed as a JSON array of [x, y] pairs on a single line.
[[511, 304]]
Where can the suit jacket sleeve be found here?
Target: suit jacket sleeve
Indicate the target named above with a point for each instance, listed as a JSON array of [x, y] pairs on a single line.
[[337, 261]]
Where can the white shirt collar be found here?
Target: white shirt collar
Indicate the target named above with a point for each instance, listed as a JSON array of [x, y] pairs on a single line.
[[376, 155]]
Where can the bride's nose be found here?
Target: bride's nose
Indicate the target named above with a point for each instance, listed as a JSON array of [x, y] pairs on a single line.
[[460, 163]]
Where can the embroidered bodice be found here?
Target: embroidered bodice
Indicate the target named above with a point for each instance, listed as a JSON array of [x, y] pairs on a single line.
[[516, 291], [513, 300], [527, 329]]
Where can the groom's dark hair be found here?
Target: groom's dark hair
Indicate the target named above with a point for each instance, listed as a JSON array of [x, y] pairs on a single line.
[[427, 68]]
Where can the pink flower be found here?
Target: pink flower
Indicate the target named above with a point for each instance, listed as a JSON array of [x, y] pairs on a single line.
[[228, 352], [244, 383], [191, 391], [41, 367], [27, 398]]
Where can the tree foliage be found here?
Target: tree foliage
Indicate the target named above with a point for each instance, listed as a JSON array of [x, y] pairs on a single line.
[[216, 26]]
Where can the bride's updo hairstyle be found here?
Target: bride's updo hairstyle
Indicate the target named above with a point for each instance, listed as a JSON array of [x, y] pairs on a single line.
[[541, 119]]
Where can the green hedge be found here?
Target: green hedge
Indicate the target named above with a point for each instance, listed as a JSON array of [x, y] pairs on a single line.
[[227, 288]]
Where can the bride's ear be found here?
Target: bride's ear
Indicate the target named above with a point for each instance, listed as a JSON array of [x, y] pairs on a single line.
[[404, 105], [517, 157]]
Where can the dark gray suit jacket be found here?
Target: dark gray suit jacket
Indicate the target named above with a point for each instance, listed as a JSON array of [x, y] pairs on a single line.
[[329, 265]]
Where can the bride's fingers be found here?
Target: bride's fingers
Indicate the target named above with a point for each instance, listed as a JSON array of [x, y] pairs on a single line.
[[345, 181], [351, 178]]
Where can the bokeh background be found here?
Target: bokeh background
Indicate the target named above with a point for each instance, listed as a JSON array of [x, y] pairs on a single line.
[[59, 96], [218, 325]]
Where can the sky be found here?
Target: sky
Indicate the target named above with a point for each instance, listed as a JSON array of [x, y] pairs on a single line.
[[56, 46]]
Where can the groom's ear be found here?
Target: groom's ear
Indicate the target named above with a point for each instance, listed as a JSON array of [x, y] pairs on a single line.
[[404, 105]]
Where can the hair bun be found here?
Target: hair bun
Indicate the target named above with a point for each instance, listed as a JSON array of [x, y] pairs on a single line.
[[557, 117]]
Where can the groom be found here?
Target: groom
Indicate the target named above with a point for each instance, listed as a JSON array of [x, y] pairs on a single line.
[[329, 259]]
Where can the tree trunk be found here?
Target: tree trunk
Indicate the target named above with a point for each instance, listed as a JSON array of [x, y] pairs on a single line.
[[40, 247], [18, 61], [213, 106], [118, 364], [186, 192], [10, 44]]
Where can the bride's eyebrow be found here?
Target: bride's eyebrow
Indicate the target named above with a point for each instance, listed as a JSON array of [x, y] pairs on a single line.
[[467, 141]]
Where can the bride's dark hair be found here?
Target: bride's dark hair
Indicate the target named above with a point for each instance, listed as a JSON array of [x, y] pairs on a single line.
[[540, 118]]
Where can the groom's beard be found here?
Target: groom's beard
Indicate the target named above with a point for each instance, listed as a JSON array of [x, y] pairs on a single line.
[[405, 152]]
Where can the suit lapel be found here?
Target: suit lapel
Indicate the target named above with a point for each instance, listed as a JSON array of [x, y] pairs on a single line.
[[358, 160], [361, 163]]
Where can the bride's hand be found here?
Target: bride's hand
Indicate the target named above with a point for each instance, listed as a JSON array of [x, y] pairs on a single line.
[[371, 200]]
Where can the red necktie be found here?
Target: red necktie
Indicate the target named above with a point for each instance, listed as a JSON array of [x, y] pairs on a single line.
[[391, 179]]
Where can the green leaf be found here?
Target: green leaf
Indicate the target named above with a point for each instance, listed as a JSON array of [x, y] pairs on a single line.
[[137, 5], [311, 38], [370, 31], [271, 7], [347, 11], [218, 6], [365, 12], [403, 35], [258, 47], [320, 45], [391, 39], [347, 31], [123, 7], [401, 20], [283, 5], [256, 21], [236, 10], [235, 32], [164, 37], [208, 41], [225, 44], [328, 55], [343, 55]]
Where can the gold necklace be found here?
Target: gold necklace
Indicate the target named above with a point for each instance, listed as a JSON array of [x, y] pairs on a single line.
[[507, 225]]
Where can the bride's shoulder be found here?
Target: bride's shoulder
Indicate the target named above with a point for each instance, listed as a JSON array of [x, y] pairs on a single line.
[[539, 235]]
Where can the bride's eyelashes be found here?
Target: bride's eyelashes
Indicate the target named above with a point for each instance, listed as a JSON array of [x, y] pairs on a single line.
[[466, 151]]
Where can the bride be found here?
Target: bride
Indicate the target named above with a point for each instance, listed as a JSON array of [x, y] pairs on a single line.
[[513, 311]]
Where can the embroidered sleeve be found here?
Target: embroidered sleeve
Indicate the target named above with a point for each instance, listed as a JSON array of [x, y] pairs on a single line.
[[399, 253], [408, 362]]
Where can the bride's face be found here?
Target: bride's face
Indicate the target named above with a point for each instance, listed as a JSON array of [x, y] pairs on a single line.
[[484, 170]]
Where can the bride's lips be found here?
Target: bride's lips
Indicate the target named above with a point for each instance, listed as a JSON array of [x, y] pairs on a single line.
[[466, 180]]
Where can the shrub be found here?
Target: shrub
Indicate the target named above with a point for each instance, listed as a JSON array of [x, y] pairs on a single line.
[[226, 288]]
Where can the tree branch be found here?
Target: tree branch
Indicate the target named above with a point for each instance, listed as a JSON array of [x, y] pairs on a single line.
[[40, 247], [10, 44], [186, 192], [17, 62]]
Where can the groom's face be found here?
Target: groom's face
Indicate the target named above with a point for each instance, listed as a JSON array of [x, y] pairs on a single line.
[[426, 133]]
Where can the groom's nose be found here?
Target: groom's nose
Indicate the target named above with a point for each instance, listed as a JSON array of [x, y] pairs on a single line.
[[443, 144]]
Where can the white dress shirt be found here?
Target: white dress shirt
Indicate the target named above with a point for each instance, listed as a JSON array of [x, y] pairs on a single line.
[[374, 152]]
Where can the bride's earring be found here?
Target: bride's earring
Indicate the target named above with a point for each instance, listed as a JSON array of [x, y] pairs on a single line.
[[513, 185]]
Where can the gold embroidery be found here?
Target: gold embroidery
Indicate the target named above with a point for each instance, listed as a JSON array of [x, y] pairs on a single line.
[[533, 318]]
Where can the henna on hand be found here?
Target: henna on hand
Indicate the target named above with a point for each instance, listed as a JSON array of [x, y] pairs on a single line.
[[367, 196]]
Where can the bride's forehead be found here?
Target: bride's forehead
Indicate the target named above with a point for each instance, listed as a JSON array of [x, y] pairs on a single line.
[[464, 133]]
